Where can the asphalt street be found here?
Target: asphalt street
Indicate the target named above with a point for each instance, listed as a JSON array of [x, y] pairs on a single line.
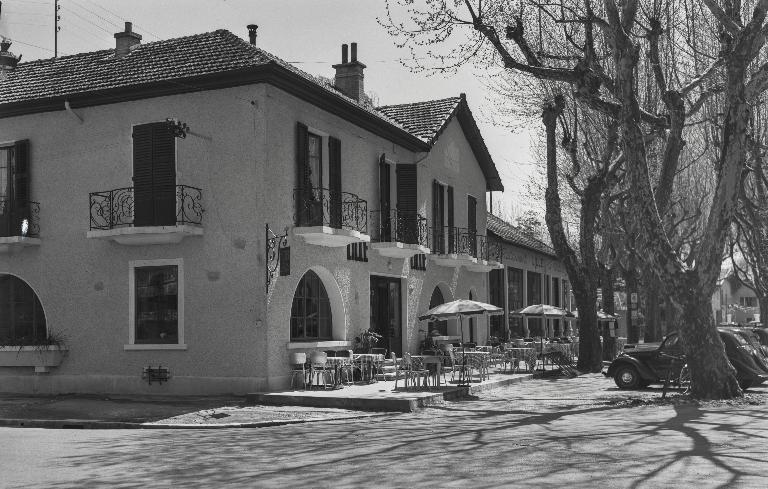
[[550, 432]]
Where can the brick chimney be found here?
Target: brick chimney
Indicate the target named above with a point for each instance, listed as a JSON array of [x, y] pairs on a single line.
[[124, 41], [349, 74]]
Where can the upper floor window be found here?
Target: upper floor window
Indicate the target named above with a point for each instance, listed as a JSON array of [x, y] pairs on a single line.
[[16, 209], [22, 320], [154, 175], [748, 301]]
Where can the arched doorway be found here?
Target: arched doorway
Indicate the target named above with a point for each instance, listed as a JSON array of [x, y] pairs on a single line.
[[311, 316], [439, 326], [22, 320]]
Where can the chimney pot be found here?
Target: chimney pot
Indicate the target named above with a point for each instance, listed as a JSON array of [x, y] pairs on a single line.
[[354, 52], [125, 40], [344, 55], [252, 33]]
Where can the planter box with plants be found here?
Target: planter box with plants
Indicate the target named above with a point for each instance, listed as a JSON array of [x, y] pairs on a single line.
[[41, 356]]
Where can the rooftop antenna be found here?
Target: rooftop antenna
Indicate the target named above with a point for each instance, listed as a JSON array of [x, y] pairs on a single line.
[[56, 28]]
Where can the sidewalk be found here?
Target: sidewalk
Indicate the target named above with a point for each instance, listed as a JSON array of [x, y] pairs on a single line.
[[255, 410]]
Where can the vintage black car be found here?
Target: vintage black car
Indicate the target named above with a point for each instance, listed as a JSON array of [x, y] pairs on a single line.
[[648, 363]]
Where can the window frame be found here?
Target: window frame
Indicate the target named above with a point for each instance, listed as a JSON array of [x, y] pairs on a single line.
[[41, 329], [132, 266]]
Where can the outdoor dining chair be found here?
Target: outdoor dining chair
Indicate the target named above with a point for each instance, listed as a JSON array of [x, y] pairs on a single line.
[[414, 373], [319, 369], [298, 362]]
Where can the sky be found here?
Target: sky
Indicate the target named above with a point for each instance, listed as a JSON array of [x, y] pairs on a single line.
[[308, 33]]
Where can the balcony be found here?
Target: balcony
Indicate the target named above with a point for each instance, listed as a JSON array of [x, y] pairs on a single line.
[[398, 234], [114, 216], [489, 255], [454, 247], [331, 219], [19, 225]]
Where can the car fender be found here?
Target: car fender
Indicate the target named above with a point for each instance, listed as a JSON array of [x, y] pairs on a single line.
[[645, 372]]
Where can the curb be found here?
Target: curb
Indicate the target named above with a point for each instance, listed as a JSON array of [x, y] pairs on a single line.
[[79, 424]]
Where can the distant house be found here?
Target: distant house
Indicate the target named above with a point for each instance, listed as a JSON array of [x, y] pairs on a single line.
[[733, 302], [200, 208]]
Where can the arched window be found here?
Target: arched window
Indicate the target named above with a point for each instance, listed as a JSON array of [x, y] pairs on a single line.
[[22, 321], [311, 311], [436, 300]]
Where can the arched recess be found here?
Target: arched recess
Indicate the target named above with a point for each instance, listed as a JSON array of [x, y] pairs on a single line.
[[328, 290], [22, 318], [440, 295]]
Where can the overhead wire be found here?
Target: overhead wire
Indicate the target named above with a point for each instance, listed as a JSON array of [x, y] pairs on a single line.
[[138, 27]]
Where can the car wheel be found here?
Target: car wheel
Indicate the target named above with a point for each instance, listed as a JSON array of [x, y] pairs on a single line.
[[745, 384], [626, 377]]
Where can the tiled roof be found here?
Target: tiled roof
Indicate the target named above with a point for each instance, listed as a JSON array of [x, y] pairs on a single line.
[[171, 61], [424, 120], [515, 236]]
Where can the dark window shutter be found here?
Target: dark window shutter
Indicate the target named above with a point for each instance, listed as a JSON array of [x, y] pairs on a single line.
[[20, 190], [437, 224], [154, 175], [143, 205], [472, 223], [451, 230], [334, 181], [302, 192], [164, 174], [385, 206], [407, 204]]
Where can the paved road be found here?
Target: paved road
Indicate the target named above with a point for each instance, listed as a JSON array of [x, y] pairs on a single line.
[[556, 433]]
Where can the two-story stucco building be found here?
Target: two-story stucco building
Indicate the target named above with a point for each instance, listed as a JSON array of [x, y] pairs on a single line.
[[201, 205]]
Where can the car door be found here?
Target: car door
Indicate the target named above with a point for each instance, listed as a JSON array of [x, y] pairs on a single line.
[[664, 360]]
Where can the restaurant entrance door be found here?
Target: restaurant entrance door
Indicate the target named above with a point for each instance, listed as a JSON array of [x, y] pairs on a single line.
[[386, 313]]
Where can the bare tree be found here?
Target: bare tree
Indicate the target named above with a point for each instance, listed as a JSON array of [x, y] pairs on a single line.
[[597, 52]]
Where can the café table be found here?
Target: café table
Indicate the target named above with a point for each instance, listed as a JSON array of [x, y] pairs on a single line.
[[527, 354], [368, 363], [420, 362], [338, 364], [477, 360]]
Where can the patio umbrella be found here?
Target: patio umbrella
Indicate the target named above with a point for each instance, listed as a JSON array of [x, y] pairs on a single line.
[[544, 311], [458, 309]]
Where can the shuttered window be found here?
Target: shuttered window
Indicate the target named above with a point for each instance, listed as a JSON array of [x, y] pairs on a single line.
[[438, 217], [14, 188], [385, 216], [472, 223], [407, 204], [154, 175], [452, 245], [334, 181]]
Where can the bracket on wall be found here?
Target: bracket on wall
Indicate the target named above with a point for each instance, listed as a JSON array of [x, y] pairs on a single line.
[[178, 129], [278, 255]]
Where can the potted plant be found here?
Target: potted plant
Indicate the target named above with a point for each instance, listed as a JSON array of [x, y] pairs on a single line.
[[366, 340], [33, 352]]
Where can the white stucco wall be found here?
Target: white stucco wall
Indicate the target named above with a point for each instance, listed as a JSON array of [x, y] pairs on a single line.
[[241, 153]]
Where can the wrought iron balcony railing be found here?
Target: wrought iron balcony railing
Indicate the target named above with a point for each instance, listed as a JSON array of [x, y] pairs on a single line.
[[402, 227], [321, 207], [19, 218], [457, 241], [489, 250], [116, 208]]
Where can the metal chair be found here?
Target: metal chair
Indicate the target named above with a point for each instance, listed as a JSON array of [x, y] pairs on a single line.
[[414, 373], [318, 361], [298, 363]]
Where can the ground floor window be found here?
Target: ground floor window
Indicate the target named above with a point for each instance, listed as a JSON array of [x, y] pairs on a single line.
[[22, 321], [311, 317], [157, 302]]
